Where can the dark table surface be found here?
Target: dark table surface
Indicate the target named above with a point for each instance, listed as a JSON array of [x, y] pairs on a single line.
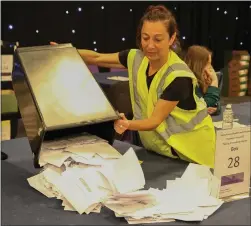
[[21, 204], [242, 111]]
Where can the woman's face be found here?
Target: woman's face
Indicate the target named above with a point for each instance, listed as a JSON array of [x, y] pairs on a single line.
[[155, 40], [207, 69], [209, 63]]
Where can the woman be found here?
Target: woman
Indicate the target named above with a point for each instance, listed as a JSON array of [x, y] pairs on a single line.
[[199, 60], [170, 119]]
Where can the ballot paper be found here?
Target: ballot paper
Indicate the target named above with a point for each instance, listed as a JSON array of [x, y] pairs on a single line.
[[195, 172], [85, 175], [147, 220], [192, 197], [73, 140], [218, 125], [38, 183], [126, 169], [118, 78], [88, 173]]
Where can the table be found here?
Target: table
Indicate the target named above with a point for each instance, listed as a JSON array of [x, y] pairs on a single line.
[[241, 112], [23, 205]]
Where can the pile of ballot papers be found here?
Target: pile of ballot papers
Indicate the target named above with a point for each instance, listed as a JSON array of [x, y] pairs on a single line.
[[193, 197], [87, 173]]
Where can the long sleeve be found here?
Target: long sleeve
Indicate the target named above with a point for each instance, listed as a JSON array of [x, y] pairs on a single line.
[[211, 97]]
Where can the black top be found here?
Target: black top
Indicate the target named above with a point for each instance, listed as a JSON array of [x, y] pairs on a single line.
[[180, 89]]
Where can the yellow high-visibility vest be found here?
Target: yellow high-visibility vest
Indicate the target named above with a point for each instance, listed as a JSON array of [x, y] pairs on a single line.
[[190, 132]]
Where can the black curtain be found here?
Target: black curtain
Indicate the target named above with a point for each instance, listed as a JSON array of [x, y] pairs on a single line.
[[221, 26]]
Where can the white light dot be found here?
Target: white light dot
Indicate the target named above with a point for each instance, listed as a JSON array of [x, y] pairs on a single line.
[[218, 8], [184, 37], [130, 10], [102, 7], [225, 12], [10, 27], [123, 39], [37, 31], [241, 43], [94, 42], [79, 9], [73, 31], [226, 38], [250, 7], [95, 49], [175, 8], [67, 12], [236, 18]]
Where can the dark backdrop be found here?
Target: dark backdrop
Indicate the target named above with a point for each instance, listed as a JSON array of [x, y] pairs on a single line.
[[199, 22]]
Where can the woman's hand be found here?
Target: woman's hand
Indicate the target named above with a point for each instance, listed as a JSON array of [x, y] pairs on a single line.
[[210, 76], [211, 110], [121, 125], [53, 43]]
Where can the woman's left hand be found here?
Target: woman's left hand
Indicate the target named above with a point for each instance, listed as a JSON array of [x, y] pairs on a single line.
[[210, 75], [121, 125], [211, 110]]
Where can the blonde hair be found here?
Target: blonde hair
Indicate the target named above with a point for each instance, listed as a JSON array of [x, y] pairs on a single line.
[[197, 58]]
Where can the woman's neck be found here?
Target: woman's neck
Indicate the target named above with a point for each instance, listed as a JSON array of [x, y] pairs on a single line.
[[156, 65]]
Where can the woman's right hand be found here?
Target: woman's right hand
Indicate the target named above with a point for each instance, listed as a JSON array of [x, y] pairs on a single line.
[[53, 43]]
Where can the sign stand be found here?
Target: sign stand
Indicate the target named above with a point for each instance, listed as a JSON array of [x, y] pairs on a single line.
[[232, 162]]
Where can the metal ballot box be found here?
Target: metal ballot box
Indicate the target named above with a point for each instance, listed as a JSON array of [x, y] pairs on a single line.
[[58, 96]]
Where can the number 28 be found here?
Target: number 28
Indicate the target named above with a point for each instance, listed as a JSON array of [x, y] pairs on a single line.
[[234, 162]]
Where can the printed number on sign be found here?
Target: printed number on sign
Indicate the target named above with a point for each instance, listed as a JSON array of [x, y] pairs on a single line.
[[234, 162]]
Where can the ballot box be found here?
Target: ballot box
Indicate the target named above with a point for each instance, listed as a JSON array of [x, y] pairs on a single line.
[[58, 96]]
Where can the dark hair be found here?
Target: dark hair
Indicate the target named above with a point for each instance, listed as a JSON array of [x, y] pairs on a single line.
[[160, 13]]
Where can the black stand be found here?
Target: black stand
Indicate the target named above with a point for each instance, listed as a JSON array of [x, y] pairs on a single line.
[[3, 156]]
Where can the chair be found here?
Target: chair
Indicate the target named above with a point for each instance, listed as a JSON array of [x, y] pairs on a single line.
[[220, 79]]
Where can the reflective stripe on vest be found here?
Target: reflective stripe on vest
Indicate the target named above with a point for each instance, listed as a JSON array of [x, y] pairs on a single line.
[[136, 64], [174, 67], [172, 126]]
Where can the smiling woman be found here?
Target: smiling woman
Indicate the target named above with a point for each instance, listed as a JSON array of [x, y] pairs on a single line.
[[168, 116]]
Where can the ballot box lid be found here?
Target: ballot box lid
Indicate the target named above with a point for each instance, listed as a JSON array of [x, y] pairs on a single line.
[[63, 89]]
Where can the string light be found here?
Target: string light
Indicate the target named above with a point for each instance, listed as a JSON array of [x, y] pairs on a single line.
[[130, 10], [123, 39], [10, 26], [37, 31], [175, 8], [67, 12], [73, 31], [94, 42], [236, 18], [95, 49], [218, 8], [79, 9], [226, 38], [184, 37], [241, 43], [102, 7], [225, 12]]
